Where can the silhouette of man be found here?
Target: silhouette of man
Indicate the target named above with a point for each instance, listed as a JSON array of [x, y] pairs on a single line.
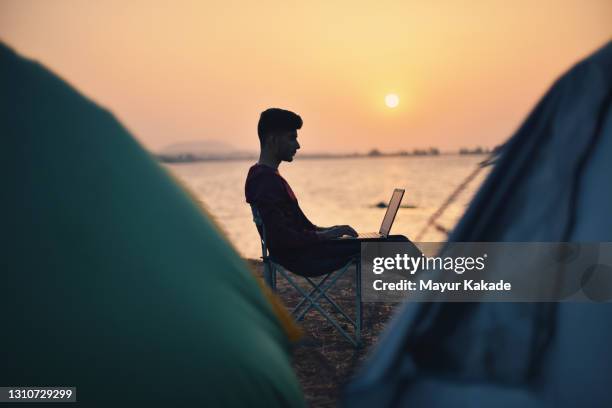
[[293, 240]]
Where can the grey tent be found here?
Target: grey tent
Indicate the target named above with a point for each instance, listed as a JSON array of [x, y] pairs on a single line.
[[552, 182]]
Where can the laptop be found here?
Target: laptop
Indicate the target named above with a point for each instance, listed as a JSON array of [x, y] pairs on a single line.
[[387, 222]]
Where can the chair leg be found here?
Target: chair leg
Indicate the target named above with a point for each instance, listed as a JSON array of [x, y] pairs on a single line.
[[315, 305], [318, 291], [315, 286], [324, 296], [268, 274], [321, 289], [358, 303]]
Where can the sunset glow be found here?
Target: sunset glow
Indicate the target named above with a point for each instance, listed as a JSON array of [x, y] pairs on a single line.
[[194, 70]]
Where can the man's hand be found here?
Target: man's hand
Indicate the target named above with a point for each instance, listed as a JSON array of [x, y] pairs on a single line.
[[336, 232]]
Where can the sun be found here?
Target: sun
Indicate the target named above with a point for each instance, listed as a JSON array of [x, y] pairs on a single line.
[[392, 100]]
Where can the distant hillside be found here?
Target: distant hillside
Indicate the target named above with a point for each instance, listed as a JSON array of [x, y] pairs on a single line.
[[202, 150]]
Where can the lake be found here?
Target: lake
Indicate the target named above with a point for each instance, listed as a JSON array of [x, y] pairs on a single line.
[[340, 191]]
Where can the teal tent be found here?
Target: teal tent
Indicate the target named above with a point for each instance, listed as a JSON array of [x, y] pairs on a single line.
[[113, 280]]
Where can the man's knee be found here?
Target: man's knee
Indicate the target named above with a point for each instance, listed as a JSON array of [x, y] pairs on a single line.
[[412, 249]]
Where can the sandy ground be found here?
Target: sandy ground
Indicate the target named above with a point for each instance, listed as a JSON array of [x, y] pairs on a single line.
[[324, 360]]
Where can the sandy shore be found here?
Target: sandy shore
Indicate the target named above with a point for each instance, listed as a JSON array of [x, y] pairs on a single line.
[[324, 360]]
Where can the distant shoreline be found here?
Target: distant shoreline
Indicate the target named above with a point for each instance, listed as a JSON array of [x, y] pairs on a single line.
[[194, 159]]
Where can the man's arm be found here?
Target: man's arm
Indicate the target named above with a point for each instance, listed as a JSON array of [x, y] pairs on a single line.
[[282, 231], [328, 232], [336, 231], [345, 229]]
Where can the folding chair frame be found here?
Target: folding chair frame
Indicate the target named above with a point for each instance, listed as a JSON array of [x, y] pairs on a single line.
[[318, 289]]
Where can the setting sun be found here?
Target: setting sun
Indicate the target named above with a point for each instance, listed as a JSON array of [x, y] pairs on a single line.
[[177, 74], [392, 100]]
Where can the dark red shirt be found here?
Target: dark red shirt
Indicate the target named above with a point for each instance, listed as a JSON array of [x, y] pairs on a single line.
[[286, 225]]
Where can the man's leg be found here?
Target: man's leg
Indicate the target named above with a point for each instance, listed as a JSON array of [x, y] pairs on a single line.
[[328, 256], [396, 238], [322, 258]]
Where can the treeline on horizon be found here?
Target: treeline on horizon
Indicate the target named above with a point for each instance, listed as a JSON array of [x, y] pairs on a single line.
[[432, 151]]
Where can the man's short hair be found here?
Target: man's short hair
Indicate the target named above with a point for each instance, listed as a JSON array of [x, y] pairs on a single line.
[[276, 119]]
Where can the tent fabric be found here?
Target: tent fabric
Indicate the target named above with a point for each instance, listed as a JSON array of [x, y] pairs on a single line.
[[551, 183], [113, 280]]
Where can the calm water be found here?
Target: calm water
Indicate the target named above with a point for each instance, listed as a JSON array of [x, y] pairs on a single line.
[[339, 191]]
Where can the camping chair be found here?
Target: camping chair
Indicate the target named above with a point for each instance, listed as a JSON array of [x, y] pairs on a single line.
[[310, 299]]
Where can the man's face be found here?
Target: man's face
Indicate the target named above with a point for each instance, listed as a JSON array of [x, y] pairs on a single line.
[[286, 145]]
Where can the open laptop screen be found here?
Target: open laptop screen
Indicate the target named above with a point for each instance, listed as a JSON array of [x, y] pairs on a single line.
[[392, 208]]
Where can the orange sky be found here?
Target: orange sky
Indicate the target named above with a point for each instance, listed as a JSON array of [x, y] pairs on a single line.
[[466, 72]]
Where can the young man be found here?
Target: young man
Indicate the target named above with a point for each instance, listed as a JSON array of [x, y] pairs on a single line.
[[293, 240]]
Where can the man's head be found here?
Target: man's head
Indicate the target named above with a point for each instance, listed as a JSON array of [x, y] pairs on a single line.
[[277, 130]]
